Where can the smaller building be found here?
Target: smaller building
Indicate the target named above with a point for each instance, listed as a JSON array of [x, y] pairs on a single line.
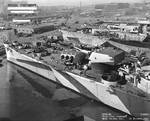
[[123, 28]]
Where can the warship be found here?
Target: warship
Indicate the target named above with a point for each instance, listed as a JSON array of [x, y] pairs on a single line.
[[107, 74]]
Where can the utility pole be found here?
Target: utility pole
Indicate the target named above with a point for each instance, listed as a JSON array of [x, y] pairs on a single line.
[[80, 5]]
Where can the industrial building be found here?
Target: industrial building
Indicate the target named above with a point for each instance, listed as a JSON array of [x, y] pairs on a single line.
[[19, 12]]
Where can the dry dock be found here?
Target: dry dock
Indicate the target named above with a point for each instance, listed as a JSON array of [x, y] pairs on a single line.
[[25, 99]]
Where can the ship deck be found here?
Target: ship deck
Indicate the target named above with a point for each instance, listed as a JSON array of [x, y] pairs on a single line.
[[54, 59]]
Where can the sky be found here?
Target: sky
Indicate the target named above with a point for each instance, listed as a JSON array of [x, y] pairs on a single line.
[[74, 2]]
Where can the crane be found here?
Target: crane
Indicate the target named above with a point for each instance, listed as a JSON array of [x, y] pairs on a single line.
[[68, 16]]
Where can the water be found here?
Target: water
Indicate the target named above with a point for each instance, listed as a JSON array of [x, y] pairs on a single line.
[[24, 96]]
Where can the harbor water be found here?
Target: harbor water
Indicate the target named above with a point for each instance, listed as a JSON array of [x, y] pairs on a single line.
[[25, 96]]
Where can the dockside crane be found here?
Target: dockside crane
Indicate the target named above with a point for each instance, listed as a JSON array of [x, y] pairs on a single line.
[[68, 16]]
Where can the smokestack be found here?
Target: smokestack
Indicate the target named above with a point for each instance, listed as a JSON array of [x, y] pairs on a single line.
[[3, 5], [80, 5]]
